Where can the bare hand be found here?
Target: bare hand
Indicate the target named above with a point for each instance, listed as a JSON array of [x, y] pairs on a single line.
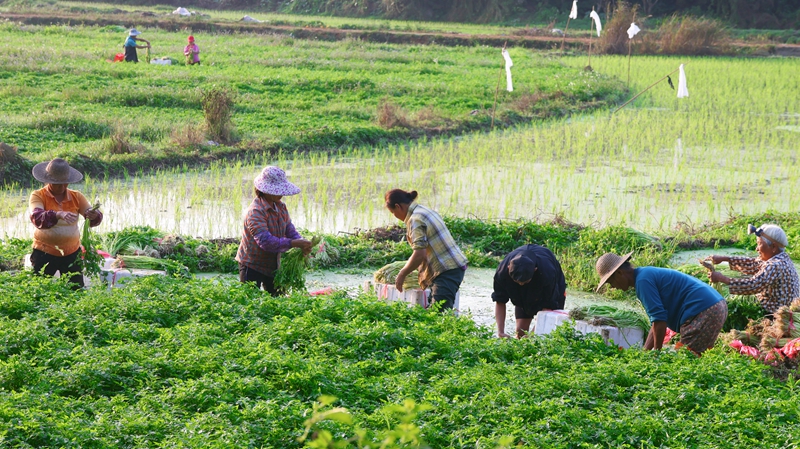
[[716, 260], [719, 277], [69, 217], [303, 244], [398, 282], [92, 214]]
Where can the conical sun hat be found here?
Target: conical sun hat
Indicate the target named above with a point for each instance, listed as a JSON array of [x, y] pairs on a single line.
[[607, 264], [56, 171], [272, 181]]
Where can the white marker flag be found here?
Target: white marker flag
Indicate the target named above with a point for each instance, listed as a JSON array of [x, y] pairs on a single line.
[[633, 30], [509, 64], [574, 13], [683, 92], [597, 24]]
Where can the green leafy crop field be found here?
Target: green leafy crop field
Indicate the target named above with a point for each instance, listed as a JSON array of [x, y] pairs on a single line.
[[200, 364]]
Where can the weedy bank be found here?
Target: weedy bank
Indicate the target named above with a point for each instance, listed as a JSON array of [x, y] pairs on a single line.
[[171, 362]]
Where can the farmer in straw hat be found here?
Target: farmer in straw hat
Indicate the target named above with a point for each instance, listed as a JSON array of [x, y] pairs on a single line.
[[531, 277], [268, 230], [54, 211], [131, 45], [441, 263], [671, 298], [774, 278]]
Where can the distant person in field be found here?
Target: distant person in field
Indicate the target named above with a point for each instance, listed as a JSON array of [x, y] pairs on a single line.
[[268, 230], [54, 211], [192, 52], [772, 276], [670, 298], [131, 44], [531, 277], [440, 262]]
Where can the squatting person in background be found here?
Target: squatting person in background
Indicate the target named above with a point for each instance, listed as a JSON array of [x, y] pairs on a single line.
[[192, 52], [531, 277], [773, 278], [671, 298], [54, 211], [131, 45], [268, 230], [441, 263]]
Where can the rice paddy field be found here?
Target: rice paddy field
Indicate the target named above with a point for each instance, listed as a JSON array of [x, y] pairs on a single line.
[[730, 148]]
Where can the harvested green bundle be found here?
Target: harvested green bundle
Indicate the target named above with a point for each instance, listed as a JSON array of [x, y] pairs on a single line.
[[787, 323], [292, 273], [611, 316], [742, 336], [151, 263], [92, 262], [388, 275]]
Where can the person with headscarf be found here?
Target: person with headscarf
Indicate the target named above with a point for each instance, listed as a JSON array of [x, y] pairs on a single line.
[[771, 276], [54, 211]]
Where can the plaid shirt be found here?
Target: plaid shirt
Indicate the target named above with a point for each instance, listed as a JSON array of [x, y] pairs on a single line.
[[773, 281], [426, 230], [268, 231]]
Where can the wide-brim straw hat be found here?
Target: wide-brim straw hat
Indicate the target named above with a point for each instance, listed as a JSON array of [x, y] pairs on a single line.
[[134, 32], [56, 171], [272, 181], [607, 264]]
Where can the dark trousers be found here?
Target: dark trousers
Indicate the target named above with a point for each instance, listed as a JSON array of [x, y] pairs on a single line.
[[247, 274], [63, 264], [444, 288]]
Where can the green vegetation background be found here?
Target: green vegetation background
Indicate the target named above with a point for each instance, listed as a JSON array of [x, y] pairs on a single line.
[[60, 95]]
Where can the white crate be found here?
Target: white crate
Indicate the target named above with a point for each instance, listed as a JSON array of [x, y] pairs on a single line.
[[412, 297], [546, 321], [624, 338], [116, 277]]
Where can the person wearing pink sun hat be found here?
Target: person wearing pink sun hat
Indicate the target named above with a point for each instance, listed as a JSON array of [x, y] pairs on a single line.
[[192, 52], [268, 230]]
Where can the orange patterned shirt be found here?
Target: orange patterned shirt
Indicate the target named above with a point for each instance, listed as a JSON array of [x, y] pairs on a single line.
[[63, 238]]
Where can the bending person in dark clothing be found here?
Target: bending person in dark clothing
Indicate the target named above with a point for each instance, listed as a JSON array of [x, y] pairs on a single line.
[[531, 277]]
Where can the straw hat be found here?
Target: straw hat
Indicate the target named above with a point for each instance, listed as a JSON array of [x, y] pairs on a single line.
[[56, 171], [607, 264], [134, 32], [272, 181]]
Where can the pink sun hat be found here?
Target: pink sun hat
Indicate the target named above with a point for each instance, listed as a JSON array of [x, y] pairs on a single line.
[[272, 181]]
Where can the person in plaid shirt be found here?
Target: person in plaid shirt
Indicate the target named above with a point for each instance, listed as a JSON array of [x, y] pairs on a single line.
[[268, 230], [773, 277], [441, 263]]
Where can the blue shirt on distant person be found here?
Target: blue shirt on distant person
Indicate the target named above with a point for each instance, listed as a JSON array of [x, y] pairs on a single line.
[[672, 296]]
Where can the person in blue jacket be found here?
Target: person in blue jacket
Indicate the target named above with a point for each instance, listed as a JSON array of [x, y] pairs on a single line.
[[131, 44], [671, 298]]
